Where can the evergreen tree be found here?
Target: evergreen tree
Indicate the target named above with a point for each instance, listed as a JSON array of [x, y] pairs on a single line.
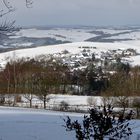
[[99, 125]]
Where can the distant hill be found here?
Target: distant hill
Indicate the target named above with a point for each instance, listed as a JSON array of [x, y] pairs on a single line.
[[43, 36]]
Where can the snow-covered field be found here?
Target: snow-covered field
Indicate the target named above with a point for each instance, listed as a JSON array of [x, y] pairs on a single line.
[[55, 101], [73, 35], [79, 34], [31, 124], [38, 36]]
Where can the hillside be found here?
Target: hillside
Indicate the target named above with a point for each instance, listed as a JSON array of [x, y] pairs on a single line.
[[43, 36], [101, 50], [36, 41]]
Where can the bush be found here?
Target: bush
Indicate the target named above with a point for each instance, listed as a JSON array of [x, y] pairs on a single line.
[[98, 125], [64, 106], [2, 99]]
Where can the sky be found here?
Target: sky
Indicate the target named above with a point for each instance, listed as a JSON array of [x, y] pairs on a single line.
[[77, 12]]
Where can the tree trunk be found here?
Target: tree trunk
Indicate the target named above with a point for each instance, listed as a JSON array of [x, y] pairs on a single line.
[[44, 101], [15, 98], [30, 103], [137, 110], [64, 88], [124, 107]]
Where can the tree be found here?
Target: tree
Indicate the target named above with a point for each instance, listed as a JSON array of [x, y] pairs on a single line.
[[123, 102], [135, 80], [8, 7], [48, 79], [42, 87], [29, 88], [99, 125], [120, 89], [136, 104], [8, 27], [92, 101]]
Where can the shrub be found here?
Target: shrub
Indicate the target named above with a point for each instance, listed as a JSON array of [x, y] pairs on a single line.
[[98, 125], [64, 106], [2, 99]]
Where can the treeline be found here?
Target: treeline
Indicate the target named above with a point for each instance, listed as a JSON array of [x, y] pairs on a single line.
[[48, 75]]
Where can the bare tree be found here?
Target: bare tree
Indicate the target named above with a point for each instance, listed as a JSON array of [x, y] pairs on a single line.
[[108, 101], [43, 87], [123, 102], [136, 104], [29, 97], [8, 7], [92, 101], [29, 89], [29, 3]]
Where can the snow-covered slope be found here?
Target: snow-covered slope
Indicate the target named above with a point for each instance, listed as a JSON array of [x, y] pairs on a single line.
[[39, 36], [73, 48], [55, 40]]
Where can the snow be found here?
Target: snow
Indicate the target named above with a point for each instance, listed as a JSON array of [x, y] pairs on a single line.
[[29, 124], [37, 124], [32, 124], [73, 48], [134, 60], [112, 30], [73, 99], [77, 36], [132, 35], [73, 35], [23, 44], [133, 42], [54, 101]]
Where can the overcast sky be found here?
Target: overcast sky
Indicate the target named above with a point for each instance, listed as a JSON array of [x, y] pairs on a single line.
[[78, 12]]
